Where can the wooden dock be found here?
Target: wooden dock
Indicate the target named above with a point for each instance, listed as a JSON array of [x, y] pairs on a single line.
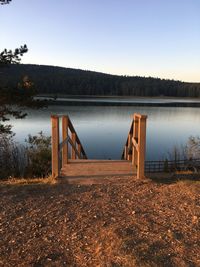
[[70, 162]]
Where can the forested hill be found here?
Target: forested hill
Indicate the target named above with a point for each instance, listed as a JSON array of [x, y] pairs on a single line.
[[58, 80]]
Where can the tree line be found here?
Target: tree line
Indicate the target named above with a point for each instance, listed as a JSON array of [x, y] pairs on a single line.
[[59, 80]]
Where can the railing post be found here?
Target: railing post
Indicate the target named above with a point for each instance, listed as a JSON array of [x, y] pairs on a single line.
[[64, 136], [73, 156], [134, 150], [141, 146], [55, 146]]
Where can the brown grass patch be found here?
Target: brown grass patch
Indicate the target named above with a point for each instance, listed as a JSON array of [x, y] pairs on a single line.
[[29, 181]]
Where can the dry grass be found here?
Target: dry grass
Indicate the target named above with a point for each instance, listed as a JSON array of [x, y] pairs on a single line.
[[28, 181]]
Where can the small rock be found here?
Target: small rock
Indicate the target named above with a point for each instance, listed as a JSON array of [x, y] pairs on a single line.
[[194, 219]]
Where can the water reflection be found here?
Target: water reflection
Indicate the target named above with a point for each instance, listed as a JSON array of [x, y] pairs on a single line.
[[103, 130]]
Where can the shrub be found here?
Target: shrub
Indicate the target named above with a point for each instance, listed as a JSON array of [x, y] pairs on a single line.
[[30, 160], [13, 157], [39, 155], [193, 147]]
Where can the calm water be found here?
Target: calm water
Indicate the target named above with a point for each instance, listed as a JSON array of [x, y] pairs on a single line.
[[103, 130]]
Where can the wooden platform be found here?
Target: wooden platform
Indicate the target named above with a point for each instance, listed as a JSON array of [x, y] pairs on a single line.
[[75, 163], [95, 171]]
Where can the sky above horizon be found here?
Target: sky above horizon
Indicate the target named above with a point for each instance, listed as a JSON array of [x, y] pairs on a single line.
[[131, 37]]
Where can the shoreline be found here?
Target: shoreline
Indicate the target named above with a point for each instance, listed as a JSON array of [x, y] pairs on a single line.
[[80, 100], [142, 104]]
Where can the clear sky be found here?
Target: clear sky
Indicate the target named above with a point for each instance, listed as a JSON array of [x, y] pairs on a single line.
[[159, 38]]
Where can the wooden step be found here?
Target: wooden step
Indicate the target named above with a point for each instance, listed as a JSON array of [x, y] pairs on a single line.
[[77, 170]]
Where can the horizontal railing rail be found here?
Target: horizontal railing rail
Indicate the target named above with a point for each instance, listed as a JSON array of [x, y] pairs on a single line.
[[80, 152]]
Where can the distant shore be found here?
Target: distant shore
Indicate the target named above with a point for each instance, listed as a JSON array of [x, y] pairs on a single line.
[[120, 101]]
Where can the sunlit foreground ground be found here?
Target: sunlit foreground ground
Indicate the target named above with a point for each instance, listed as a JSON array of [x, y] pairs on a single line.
[[123, 222]]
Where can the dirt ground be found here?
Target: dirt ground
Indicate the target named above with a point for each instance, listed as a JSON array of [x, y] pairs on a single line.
[[123, 223]]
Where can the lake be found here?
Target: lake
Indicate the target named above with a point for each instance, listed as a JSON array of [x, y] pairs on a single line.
[[103, 129]]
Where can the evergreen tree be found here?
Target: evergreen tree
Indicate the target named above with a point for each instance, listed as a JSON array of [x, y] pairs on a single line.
[[14, 99], [4, 2]]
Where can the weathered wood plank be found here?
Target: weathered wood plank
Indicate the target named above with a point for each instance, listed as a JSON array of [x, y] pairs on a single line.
[[55, 146], [97, 169], [142, 147], [64, 136], [73, 151]]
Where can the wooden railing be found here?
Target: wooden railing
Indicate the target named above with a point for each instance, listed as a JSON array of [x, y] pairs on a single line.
[[127, 152], [61, 151], [135, 147]]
